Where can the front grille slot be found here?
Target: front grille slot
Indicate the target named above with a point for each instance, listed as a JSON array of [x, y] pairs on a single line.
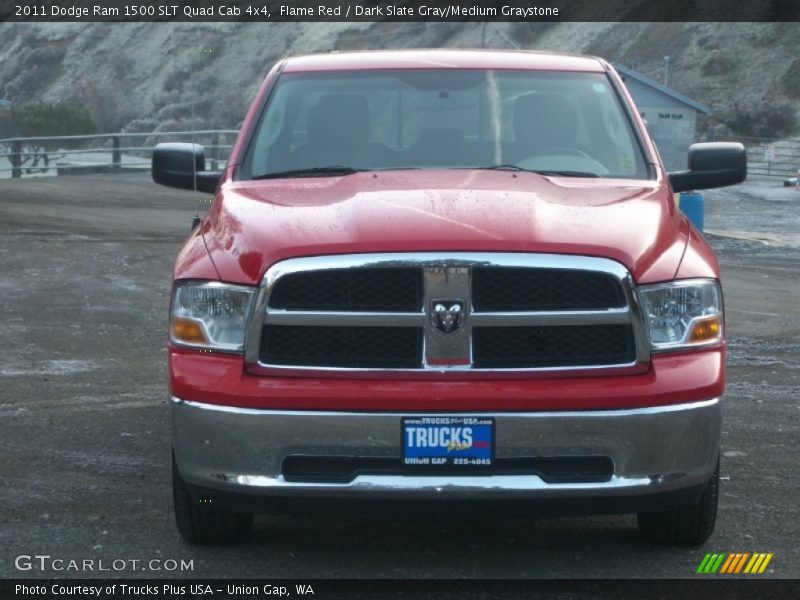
[[511, 288], [353, 347], [390, 289], [558, 346], [344, 469]]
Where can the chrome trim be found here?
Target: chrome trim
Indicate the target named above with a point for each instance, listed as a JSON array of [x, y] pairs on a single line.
[[626, 412], [641, 331], [452, 282], [439, 483], [653, 449], [277, 316], [446, 275], [530, 319], [434, 371]]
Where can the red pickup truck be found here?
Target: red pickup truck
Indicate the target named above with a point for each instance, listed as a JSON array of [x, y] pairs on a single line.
[[446, 279]]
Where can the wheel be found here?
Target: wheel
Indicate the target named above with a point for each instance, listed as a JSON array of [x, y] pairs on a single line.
[[687, 525], [204, 525]]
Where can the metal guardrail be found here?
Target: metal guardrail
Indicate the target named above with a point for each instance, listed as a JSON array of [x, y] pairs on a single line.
[[34, 154], [773, 160], [771, 157]]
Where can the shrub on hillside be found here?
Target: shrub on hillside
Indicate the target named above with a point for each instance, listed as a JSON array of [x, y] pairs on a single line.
[[791, 79], [44, 119], [40, 119], [762, 118]]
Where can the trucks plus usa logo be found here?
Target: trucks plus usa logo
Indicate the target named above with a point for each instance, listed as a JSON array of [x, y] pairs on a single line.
[[728, 563]]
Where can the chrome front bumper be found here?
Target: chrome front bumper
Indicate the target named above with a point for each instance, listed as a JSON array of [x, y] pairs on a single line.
[[654, 450]]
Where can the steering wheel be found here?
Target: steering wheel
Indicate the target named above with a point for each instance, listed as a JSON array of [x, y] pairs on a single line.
[[565, 150]]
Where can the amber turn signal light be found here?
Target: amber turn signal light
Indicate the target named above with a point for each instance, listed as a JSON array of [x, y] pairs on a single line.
[[706, 330], [187, 331]]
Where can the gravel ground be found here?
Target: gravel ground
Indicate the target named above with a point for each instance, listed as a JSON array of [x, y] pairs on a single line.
[[84, 439]]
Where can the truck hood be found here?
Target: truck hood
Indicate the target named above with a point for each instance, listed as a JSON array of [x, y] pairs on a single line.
[[254, 224]]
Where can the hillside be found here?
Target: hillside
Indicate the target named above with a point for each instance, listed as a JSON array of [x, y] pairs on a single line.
[[145, 76]]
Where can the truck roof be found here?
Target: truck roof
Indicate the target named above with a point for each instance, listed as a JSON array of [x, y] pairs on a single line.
[[444, 59]]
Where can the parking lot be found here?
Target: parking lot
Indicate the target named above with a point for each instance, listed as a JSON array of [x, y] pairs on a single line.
[[84, 439]]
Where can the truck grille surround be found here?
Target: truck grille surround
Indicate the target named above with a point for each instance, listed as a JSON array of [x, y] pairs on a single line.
[[434, 313]]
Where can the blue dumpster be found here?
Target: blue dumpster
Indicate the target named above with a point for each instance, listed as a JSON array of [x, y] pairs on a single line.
[[691, 203]]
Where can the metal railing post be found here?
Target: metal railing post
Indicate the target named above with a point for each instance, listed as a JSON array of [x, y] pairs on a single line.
[[16, 159], [214, 151], [116, 154]]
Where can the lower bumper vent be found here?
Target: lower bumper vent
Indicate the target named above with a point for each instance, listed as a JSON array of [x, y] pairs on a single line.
[[344, 469]]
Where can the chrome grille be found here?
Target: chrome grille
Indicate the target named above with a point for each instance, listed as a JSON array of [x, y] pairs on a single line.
[[385, 313]]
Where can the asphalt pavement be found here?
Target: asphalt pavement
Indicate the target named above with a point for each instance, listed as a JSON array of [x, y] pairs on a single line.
[[85, 267]]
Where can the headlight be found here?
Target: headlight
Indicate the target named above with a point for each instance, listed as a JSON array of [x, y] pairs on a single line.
[[210, 315], [683, 314]]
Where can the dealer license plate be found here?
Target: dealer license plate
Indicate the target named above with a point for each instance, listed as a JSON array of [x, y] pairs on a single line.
[[448, 441]]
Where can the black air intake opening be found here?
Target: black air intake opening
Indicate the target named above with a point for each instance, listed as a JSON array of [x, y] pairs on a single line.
[[353, 347], [384, 289], [555, 346], [527, 289]]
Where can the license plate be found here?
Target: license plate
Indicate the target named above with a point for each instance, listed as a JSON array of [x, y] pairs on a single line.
[[448, 441]]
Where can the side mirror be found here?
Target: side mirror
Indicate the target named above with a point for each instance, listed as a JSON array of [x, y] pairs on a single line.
[[179, 165], [711, 165]]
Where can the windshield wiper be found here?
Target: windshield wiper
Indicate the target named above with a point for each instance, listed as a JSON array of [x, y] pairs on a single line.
[[333, 171], [501, 168], [540, 172], [568, 173]]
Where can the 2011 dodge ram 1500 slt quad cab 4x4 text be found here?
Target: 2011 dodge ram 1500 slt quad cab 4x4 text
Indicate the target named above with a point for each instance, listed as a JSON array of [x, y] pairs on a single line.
[[446, 278]]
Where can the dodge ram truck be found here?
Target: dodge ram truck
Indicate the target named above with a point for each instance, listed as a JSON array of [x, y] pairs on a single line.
[[446, 279]]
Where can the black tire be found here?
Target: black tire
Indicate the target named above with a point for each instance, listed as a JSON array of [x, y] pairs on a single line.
[[686, 525], [203, 525]]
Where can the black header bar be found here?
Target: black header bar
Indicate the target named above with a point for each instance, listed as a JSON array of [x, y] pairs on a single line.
[[438, 589], [266, 11]]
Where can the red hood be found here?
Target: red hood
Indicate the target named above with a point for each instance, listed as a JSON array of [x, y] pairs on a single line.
[[257, 223]]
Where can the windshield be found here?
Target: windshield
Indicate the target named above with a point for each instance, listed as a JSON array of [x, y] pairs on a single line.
[[323, 124]]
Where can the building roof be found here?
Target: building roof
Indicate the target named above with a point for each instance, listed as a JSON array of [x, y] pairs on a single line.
[[444, 59], [626, 72], [4, 102]]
